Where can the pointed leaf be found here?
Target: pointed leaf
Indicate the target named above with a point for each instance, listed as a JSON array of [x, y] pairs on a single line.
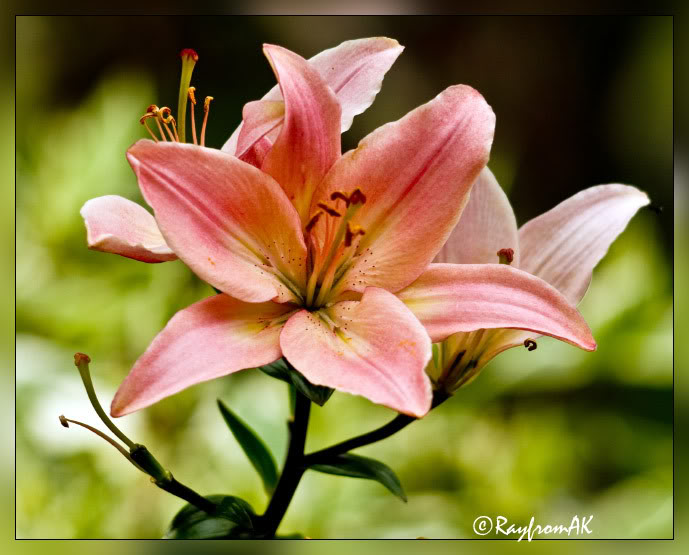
[[355, 466], [258, 453], [233, 519], [283, 370]]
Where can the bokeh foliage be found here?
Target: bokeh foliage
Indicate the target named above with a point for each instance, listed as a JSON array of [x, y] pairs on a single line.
[[551, 433]]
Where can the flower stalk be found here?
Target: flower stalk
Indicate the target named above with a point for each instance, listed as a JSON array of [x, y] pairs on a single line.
[[294, 466], [138, 454]]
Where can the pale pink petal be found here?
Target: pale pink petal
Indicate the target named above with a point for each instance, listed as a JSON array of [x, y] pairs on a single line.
[[354, 70], [416, 174], [120, 226], [487, 225], [449, 298], [257, 152], [260, 118], [228, 221], [564, 245], [230, 145], [211, 338], [309, 141], [373, 347]]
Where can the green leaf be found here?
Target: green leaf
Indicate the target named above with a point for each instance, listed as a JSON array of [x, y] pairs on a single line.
[[355, 466], [282, 370], [233, 519], [257, 451]]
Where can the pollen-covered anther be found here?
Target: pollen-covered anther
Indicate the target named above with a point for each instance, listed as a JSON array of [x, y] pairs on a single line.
[[165, 116], [192, 99], [314, 219], [356, 197], [206, 109], [506, 256], [329, 210], [530, 345], [351, 233], [152, 112]]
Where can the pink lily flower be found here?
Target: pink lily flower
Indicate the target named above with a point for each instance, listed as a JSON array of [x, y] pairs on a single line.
[[354, 71], [561, 246], [310, 246]]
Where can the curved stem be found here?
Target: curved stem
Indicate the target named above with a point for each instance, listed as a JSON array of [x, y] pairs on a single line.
[[294, 467], [297, 462], [395, 425], [189, 495]]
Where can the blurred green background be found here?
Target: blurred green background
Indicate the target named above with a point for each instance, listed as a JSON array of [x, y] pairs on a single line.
[[551, 433]]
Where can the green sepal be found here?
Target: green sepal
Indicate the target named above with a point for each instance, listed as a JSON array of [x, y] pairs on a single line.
[[355, 466], [283, 370], [258, 453], [234, 518]]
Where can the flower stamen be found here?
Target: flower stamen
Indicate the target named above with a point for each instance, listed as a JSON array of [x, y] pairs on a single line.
[[165, 116], [351, 233], [327, 263], [192, 98], [144, 121], [313, 221], [506, 256], [329, 210], [206, 109], [530, 345], [356, 197]]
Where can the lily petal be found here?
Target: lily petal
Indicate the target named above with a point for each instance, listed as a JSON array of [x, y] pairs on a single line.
[[565, 244], [211, 338], [374, 347], [450, 298], [416, 174], [309, 141], [260, 117], [487, 225], [120, 226], [354, 70], [228, 221]]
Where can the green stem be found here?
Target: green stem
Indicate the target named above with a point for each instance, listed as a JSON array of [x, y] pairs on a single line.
[[81, 361], [138, 454], [294, 467], [398, 423], [297, 462], [189, 495]]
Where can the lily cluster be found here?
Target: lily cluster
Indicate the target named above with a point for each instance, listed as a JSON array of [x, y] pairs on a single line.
[[351, 266]]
